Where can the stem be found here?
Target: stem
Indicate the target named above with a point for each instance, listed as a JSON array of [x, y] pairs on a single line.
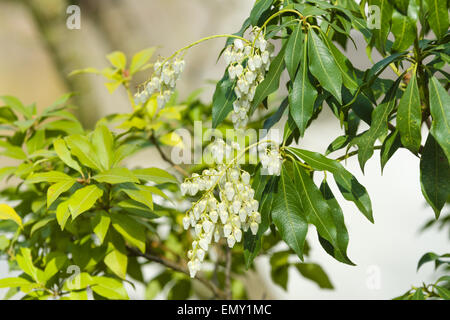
[[165, 158], [179, 268], [228, 263]]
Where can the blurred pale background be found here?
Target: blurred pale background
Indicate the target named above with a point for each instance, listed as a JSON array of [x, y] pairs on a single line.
[[36, 57]]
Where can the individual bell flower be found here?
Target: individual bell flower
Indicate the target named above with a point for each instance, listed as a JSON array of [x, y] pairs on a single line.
[[254, 227], [214, 216], [186, 223], [245, 176], [238, 44], [237, 234], [227, 229], [231, 241], [201, 254]]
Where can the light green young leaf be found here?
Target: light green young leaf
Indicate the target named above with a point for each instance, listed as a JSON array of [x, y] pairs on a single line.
[[140, 195], [103, 145], [109, 288], [14, 282], [64, 154], [84, 199], [26, 263], [409, 116], [100, 224], [117, 59], [116, 259], [54, 266], [140, 59], [49, 177], [115, 176], [81, 147], [130, 229], [156, 175], [62, 213], [55, 190], [8, 213]]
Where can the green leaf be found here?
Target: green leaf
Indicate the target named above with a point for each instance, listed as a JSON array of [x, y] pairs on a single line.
[[440, 111], [57, 189], [115, 176], [381, 34], [103, 146], [427, 257], [17, 106], [36, 142], [62, 213], [293, 53], [14, 282], [109, 288], [8, 213], [323, 67], [404, 30], [288, 215], [443, 292], [264, 191], [409, 116], [223, 99], [64, 154], [12, 151], [259, 8], [42, 223], [271, 82], [302, 96], [418, 295], [344, 65], [100, 224], [438, 17], [434, 175], [81, 147], [338, 218], [130, 229], [314, 272], [378, 126], [389, 147], [280, 268], [26, 263], [54, 266], [155, 175], [140, 59], [140, 195], [84, 199], [117, 59], [317, 210], [116, 259], [350, 188], [49, 177]]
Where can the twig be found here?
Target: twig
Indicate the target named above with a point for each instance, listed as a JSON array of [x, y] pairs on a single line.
[[218, 293], [167, 159]]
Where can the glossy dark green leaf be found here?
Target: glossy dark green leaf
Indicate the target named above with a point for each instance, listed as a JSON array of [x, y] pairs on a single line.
[[314, 272], [322, 65], [294, 48], [259, 8], [223, 99], [350, 188], [271, 82], [280, 268], [438, 17], [288, 214], [302, 96], [434, 175], [404, 30], [389, 147], [381, 34], [440, 111], [409, 116]]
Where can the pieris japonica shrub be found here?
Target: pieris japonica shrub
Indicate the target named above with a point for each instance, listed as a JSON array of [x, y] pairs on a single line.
[[75, 207]]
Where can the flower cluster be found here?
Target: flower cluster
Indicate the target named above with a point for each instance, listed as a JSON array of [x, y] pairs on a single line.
[[248, 64], [234, 211], [271, 161], [162, 82]]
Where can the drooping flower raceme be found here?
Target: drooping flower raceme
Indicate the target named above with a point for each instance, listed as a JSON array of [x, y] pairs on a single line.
[[162, 82], [227, 216], [248, 66]]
